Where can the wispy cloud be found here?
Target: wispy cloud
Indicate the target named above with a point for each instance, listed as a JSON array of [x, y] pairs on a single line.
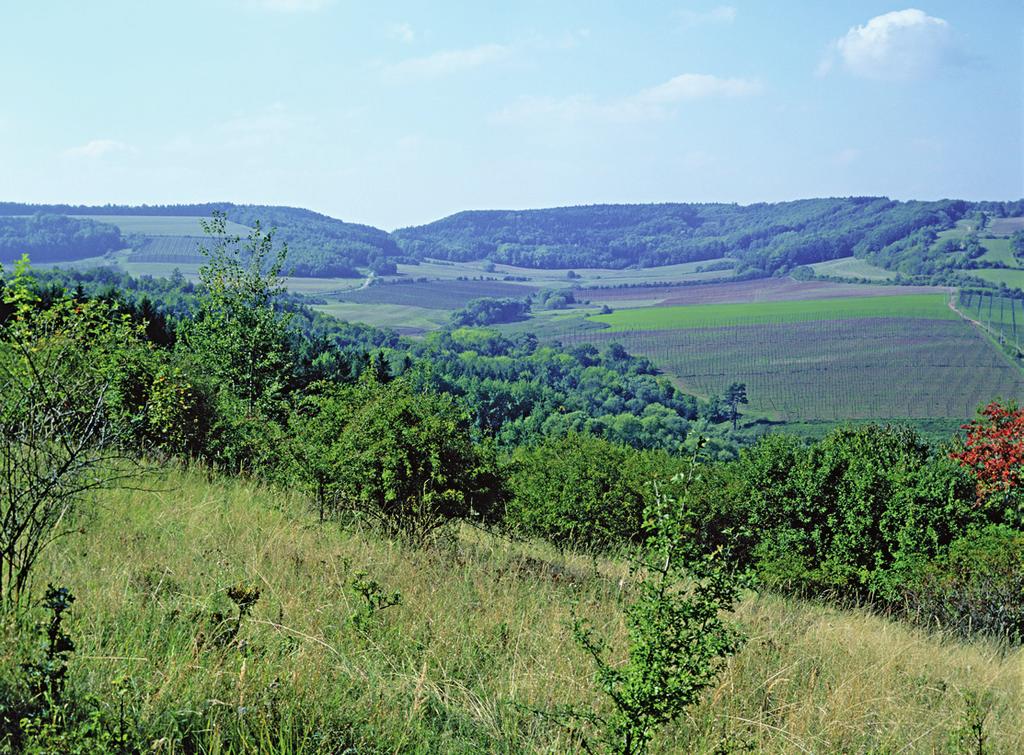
[[648, 104], [98, 148], [292, 6], [403, 33], [898, 46], [722, 14], [445, 63]]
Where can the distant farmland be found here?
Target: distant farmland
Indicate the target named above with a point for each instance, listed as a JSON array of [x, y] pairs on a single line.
[[447, 294], [758, 290], [171, 250], [830, 369]]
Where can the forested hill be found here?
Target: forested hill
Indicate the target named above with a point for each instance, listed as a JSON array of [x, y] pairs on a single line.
[[758, 239], [762, 237], [319, 245]]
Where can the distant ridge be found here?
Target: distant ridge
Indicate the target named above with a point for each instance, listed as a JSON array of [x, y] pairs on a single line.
[[759, 239]]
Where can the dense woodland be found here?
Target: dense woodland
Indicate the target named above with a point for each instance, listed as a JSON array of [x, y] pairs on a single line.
[[55, 238], [587, 450]]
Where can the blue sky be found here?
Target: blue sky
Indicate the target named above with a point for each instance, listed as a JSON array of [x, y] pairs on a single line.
[[399, 113]]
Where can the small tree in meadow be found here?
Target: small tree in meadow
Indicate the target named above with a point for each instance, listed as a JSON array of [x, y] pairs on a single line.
[[678, 637]]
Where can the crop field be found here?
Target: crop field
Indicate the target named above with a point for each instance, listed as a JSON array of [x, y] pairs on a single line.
[[912, 306], [760, 290], [852, 267], [446, 294], [159, 225], [1005, 226], [171, 249], [831, 369]]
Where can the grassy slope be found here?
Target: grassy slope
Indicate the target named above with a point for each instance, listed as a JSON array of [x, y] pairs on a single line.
[[927, 306], [852, 267], [479, 641]]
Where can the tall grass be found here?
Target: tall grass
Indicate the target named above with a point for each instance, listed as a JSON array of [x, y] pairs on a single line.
[[473, 655]]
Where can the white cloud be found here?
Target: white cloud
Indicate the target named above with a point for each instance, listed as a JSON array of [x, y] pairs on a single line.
[[293, 6], [898, 46], [98, 148], [722, 14], [693, 86], [648, 104], [403, 33], [446, 62]]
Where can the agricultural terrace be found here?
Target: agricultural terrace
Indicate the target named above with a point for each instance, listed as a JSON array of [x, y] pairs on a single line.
[[913, 306]]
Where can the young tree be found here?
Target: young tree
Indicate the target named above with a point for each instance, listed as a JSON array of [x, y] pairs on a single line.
[[678, 636], [239, 337], [735, 395]]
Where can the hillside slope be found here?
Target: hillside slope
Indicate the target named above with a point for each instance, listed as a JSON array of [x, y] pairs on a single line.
[[477, 648]]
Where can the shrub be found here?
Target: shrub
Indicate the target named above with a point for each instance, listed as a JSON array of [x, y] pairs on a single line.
[[977, 586], [584, 492], [409, 463]]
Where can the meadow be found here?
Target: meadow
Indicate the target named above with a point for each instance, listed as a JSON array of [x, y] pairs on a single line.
[[915, 306], [476, 654]]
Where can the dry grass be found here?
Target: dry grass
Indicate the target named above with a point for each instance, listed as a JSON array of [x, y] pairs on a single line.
[[478, 643]]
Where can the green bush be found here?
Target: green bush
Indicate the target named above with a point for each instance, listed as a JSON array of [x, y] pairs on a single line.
[[976, 586], [851, 512], [584, 492], [405, 460]]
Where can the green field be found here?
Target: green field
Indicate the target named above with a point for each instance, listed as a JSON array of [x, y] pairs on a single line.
[[852, 267], [159, 225], [916, 306], [1012, 278]]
